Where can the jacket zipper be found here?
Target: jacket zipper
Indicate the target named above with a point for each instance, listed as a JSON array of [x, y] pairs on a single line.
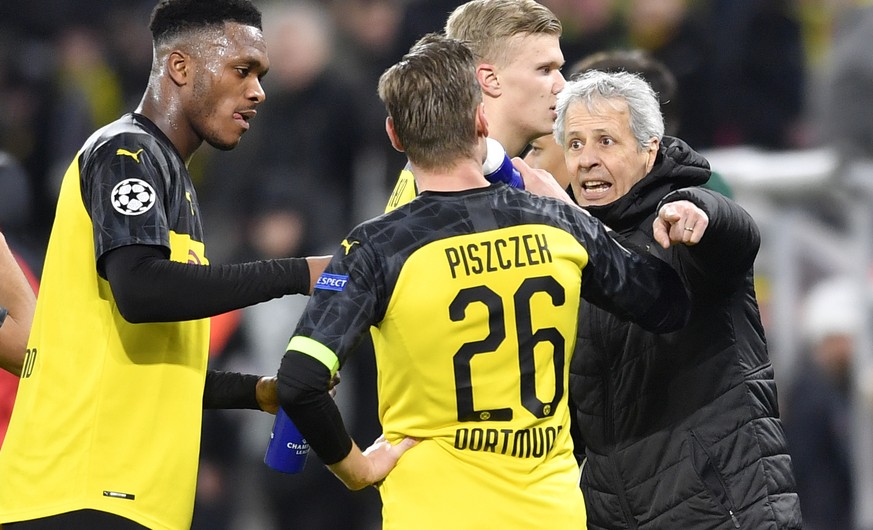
[[727, 498]]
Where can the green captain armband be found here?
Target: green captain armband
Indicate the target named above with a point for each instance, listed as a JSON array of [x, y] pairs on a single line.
[[317, 351]]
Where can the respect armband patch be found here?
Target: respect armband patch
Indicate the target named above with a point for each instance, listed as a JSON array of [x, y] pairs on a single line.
[[332, 282]]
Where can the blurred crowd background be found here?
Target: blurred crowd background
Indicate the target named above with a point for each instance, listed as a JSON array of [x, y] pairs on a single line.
[[777, 93]]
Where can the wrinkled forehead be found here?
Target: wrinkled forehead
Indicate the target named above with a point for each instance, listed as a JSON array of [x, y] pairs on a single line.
[[600, 106]]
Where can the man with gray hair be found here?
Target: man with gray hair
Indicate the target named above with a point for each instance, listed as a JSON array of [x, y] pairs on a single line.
[[677, 430]]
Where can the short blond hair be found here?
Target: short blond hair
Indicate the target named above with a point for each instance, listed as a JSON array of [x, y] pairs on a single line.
[[432, 95], [486, 25]]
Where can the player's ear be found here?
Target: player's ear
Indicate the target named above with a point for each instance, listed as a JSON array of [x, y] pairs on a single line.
[[392, 134], [486, 74], [178, 65], [481, 120], [652, 153]]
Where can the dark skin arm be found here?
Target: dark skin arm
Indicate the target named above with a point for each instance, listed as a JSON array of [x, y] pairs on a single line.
[[268, 399]]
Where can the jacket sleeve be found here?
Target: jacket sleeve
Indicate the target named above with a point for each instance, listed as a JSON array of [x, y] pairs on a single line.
[[729, 246], [633, 285]]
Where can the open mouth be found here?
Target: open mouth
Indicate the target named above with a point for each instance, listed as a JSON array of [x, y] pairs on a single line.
[[596, 186]]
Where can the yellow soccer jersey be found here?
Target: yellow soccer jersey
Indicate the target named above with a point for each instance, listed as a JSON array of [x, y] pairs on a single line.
[[477, 372], [108, 413], [474, 300], [404, 190]]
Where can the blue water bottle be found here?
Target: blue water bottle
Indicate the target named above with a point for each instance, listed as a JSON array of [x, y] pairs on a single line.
[[287, 449], [498, 167]]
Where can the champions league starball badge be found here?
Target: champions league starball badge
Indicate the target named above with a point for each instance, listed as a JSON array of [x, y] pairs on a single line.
[[132, 197]]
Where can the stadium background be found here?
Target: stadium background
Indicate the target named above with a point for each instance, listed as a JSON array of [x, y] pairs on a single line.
[[776, 93]]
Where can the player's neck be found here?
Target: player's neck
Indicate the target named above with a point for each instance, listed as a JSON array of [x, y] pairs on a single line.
[[508, 138], [184, 139], [462, 176]]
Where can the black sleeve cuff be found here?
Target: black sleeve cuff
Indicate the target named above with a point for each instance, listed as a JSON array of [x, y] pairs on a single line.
[[303, 394], [299, 274], [230, 390], [3, 313]]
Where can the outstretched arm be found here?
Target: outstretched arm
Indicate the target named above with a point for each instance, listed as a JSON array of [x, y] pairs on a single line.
[[719, 237], [148, 287], [233, 390]]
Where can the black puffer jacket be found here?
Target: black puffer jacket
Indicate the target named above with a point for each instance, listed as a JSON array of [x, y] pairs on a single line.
[[681, 431]]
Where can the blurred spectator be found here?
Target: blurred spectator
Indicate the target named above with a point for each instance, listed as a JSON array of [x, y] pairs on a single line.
[[589, 26], [369, 41], [87, 95], [679, 38], [261, 330], [818, 405], [26, 68], [15, 195], [128, 46], [739, 66], [421, 17], [16, 216], [760, 73]]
